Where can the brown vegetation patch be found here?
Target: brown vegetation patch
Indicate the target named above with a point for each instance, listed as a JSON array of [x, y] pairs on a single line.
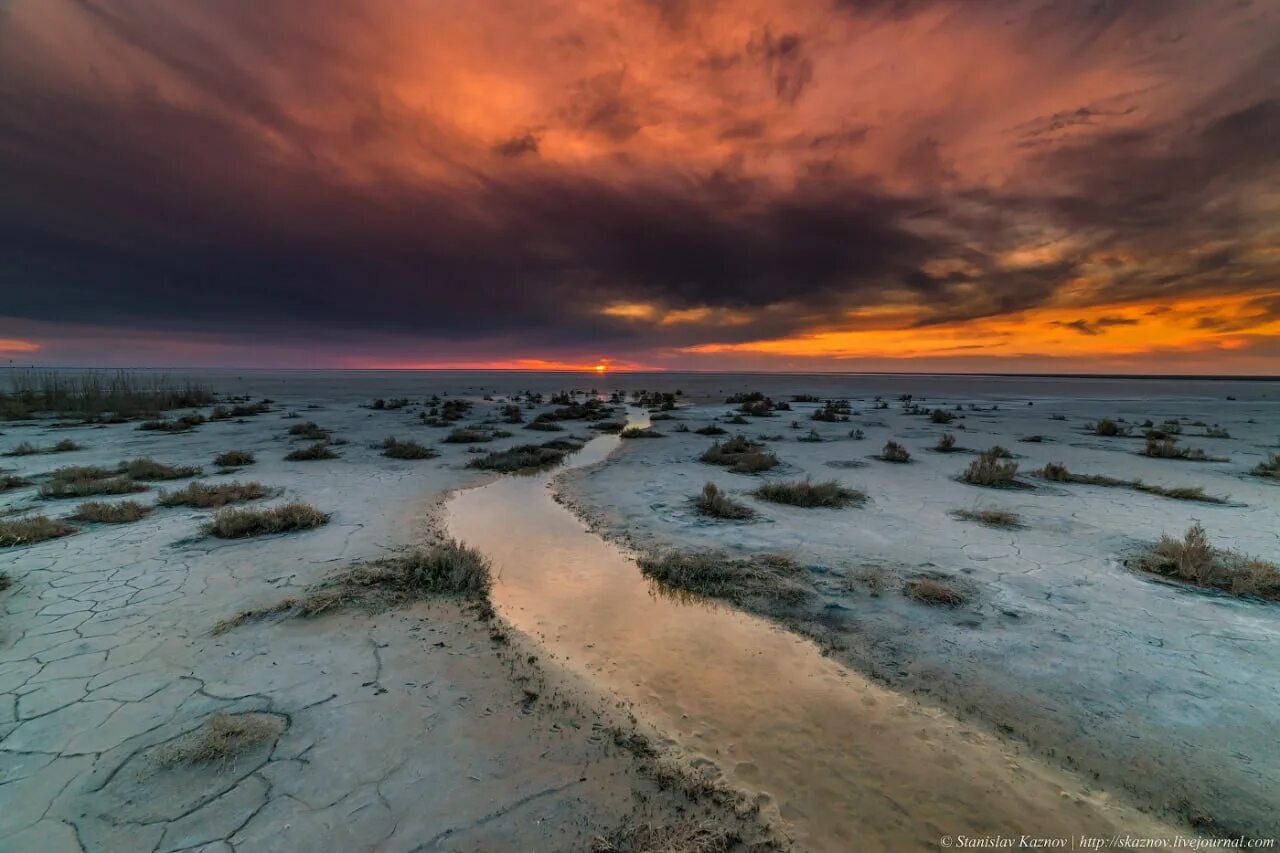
[[221, 739], [803, 493], [640, 432], [12, 481], [234, 459], [394, 448], [522, 459], [96, 396], [1168, 448], [110, 512], [1193, 560], [717, 504], [740, 455], [207, 496], [31, 529], [1269, 468], [933, 591], [990, 470], [715, 575], [149, 469], [231, 523], [311, 453], [894, 452], [446, 569], [81, 482], [309, 429], [991, 517], [1058, 473]]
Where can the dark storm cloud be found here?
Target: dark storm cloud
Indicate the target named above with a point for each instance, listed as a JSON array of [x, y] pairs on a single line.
[[187, 175]]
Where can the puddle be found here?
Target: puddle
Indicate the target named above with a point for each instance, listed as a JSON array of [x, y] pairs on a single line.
[[846, 763]]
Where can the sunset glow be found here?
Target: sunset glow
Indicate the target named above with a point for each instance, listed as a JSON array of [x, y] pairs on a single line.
[[823, 184]]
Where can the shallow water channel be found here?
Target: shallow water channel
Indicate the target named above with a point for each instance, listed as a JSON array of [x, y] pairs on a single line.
[[846, 763]]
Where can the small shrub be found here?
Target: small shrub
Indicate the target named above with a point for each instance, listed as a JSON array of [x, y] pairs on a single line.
[[767, 576], [311, 453], [149, 469], [234, 459], [989, 470], [803, 493], [739, 455], [895, 452], [24, 449], [934, 592], [989, 517], [946, 443], [1108, 428], [1167, 448], [1270, 468], [462, 435], [120, 512], [521, 459], [394, 448], [31, 529], [231, 523], [1194, 560], [29, 449], [717, 504], [552, 426], [639, 432], [309, 429], [812, 436], [941, 416], [710, 429], [207, 497], [12, 481], [222, 738], [1216, 432], [83, 482]]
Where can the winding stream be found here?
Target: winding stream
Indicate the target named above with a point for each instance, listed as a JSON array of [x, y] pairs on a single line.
[[846, 763]]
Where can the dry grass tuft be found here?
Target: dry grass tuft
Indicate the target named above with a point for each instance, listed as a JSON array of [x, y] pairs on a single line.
[[207, 497], [1270, 468], [1168, 448], [522, 459], [740, 455], [895, 452], [446, 569], [29, 449], [717, 504], [462, 435], [803, 493], [1058, 473], [81, 482], [640, 432], [931, 591], [118, 512], [716, 575], [685, 836], [231, 523], [1108, 428], [221, 739], [149, 469], [309, 429], [311, 453], [1193, 560], [12, 481], [989, 470], [234, 459], [32, 529], [946, 443], [394, 448], [990, 517]]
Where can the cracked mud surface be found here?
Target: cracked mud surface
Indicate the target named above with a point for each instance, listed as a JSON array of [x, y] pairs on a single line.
[[406, 730]]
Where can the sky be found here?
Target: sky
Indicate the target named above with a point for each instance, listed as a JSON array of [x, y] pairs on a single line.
[[844, 185]]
